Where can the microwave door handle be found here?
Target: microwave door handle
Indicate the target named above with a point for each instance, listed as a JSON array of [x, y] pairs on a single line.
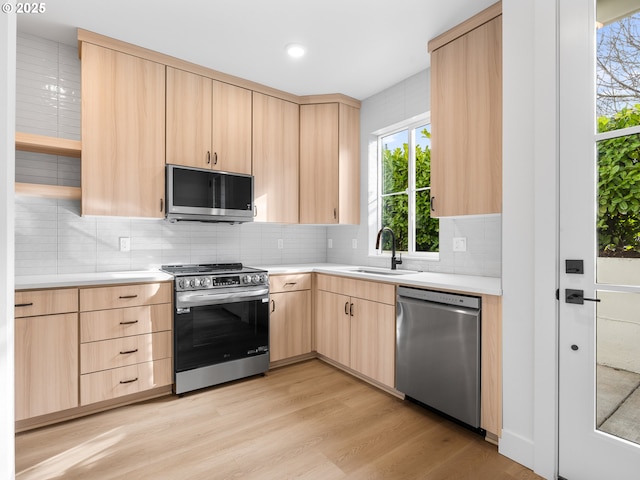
[[199, 299]]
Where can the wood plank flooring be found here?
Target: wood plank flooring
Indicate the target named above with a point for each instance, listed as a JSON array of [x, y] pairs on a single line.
[[307, 420]]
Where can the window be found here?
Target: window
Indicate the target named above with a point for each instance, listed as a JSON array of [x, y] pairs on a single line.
[[404, 155]]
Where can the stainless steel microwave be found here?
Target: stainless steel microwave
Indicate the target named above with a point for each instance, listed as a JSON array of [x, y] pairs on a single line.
[[202, 195]]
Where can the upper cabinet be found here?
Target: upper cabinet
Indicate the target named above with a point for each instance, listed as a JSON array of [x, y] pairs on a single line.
[[123, 134], [275, 158], [466, 117], [208, 123], [329, 163]]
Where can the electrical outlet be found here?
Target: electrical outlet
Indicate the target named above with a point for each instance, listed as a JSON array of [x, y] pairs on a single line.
[[459, 244], [125, 244], [354, 243], [330, 243], [280, 243]]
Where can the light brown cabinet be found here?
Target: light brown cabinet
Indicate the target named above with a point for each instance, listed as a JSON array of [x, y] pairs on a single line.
[[355, 325], [275, 159], [123, 134], [46, 352], [290, 317], [329, 164], [466, 117], [208, 123], [125, 340]]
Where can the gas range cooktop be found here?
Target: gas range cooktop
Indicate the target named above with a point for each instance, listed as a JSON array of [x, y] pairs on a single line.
[[215, 275]]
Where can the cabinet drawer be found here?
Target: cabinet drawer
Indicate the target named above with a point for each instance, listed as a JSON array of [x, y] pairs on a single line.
[[289, 283], [108, 384], [123, 322], [45, 302], [374, 291], [102, 298], [120, 352]]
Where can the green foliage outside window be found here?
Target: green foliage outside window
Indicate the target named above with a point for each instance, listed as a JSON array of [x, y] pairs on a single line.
[[619, 186], [395, 208]]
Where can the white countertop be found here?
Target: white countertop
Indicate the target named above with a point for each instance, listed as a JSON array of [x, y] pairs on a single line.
[[447, 281], [87, 279]]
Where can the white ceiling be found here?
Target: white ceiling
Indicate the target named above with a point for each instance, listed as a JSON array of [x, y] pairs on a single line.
[[354, 47]]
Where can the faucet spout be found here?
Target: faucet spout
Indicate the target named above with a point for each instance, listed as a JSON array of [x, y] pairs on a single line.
[[394, 260]]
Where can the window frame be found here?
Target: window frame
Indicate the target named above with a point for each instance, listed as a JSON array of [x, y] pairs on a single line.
[[410, 125]]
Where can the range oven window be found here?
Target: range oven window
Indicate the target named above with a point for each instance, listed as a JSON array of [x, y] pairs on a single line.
[[214, 334]]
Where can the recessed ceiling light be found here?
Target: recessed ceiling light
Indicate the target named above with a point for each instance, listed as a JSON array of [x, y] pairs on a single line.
[[295, 50]]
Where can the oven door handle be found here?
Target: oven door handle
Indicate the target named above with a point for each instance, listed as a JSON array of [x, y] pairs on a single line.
[[199, 299]]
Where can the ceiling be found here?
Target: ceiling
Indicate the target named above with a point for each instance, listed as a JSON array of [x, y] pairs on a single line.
[[354, 47]]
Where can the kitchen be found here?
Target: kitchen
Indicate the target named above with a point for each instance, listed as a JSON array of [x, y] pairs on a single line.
[[309, 244]]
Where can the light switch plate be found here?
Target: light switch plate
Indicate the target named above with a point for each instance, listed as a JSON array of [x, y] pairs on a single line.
[[459, 244], [354, 243], [330, 243], [280, 243]]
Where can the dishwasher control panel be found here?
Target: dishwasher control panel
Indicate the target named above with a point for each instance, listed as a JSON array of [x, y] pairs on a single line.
[[439, 297]]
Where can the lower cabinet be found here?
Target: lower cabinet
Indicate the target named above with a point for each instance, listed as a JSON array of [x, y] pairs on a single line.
[[46, 351], [290, 316], [356, 326], [127, 348]]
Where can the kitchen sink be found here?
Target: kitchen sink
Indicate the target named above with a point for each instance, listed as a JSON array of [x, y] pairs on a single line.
[[382, 271]]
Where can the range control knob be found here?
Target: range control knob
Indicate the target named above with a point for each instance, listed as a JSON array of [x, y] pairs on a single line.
[[246, 279], [192, 282], [181, 283], [256, 279], [205, 282]]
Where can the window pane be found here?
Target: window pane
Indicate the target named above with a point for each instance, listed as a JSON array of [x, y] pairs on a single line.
[[619, 207], [395, 162], [427, 228], [423, 156], [618, 59], [395, 215]]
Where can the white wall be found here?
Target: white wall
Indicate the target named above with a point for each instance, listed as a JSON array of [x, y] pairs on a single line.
[[7, 149], [529, 238], [400, 102]]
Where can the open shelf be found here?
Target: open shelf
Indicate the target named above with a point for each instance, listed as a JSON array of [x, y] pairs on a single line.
[[30, 142], [48, 191]]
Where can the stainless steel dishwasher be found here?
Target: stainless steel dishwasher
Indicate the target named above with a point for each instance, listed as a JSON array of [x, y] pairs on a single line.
[[438, 352]]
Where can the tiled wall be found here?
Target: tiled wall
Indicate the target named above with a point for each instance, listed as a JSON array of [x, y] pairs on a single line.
[[398, 103], [48, 103], [52, 237]]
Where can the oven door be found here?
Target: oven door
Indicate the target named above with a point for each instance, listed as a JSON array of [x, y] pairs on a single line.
[[212, 329]]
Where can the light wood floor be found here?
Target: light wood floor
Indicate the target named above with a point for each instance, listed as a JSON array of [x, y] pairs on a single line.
[[308, 420]]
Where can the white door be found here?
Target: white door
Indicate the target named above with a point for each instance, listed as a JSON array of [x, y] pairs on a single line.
[[599, 339]]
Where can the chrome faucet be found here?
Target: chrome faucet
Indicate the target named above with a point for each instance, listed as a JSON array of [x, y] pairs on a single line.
[[394, 260]]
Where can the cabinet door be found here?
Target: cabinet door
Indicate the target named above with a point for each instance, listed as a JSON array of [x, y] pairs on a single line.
[[231, 124], [466, 123], [373, 334], [123, 134], [333, 331], [290, 325], [46, 364], [188, 119], [275, 158], [319, 174], [349, 169]]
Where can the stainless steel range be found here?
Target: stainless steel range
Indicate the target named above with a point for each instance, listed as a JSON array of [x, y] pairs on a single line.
[[220, 324]]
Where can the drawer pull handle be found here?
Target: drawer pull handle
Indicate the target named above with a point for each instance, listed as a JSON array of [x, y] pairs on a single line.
[[127, 296], [129, 381], [290, 284], [128, 351], [18, 305], [129, 323]]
